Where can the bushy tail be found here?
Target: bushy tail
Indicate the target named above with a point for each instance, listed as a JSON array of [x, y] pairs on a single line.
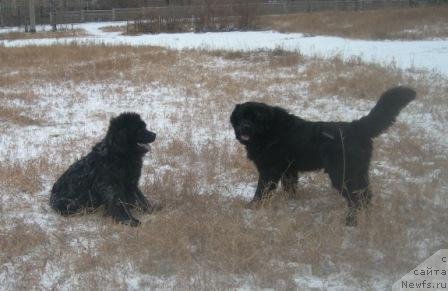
[[385, 111]]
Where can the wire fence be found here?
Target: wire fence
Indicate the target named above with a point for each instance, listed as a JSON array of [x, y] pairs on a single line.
[[20, 16]]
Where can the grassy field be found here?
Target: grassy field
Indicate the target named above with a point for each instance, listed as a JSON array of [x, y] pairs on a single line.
[[55, 103], [405, 23]]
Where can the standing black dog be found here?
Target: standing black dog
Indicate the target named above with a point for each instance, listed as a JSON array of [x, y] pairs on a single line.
[[281, 145], [109, 174]]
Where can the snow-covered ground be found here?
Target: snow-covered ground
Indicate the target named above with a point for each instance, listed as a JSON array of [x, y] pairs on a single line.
[[420, 54], [75, 115]]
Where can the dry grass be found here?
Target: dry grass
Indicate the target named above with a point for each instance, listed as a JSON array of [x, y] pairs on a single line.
[[43, 34], [394, 23], [204, 238], [409, 23], [114, 28], [24, 178], [14, 114]]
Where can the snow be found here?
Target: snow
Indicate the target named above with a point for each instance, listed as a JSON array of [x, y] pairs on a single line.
[[429, 55]]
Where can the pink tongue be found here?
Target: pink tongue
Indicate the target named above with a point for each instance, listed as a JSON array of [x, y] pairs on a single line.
[[245, 137]]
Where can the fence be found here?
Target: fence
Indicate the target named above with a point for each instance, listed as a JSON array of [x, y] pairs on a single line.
[[19, 16]]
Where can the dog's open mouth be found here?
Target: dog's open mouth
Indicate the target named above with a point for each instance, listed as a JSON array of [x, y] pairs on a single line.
[[244, 137], [144, 147]]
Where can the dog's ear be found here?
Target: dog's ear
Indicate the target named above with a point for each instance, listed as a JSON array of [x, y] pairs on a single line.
[[266, 117], [233, 117], [279, 116], [116, 140], [263, 116], [237, 108]]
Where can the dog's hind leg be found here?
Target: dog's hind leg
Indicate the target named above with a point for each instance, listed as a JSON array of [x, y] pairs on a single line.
[[65, 206], [289, 182], [356, 200], [352, 181], [355, 190]]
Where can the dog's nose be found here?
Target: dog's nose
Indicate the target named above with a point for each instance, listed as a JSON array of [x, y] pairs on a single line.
[[150, 136], [153, 136]]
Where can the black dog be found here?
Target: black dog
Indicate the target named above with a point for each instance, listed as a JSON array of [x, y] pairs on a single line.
[[109, 174], [281, 145]]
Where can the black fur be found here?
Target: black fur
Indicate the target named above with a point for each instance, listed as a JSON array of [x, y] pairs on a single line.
[[281, 145], [109, 174]]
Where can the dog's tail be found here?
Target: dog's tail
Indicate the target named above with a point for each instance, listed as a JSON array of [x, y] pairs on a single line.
[[383, 115]]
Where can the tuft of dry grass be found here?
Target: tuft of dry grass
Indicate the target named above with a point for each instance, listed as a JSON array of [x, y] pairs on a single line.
[[24, 177], [17, 116], [17, 240], [403, 23], [14, 114]]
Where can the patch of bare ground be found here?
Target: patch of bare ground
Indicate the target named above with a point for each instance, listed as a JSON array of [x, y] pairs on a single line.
[[204, 238], [405, 23]]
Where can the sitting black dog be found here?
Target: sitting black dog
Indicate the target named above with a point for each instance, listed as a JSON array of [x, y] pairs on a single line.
[[109, 174], [281, 145]]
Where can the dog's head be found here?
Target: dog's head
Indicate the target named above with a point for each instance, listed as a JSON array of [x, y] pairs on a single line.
[[255, 122], [127, 133]]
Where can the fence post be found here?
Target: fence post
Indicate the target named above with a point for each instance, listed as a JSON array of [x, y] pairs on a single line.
[[114, 15], [32, 16], [19, 19], [53, 15], [1, 14], [52, 23], [83, 16]]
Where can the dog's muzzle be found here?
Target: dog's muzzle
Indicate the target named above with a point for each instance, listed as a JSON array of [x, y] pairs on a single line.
[[243, 132], [148, 138], [145, 147]]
